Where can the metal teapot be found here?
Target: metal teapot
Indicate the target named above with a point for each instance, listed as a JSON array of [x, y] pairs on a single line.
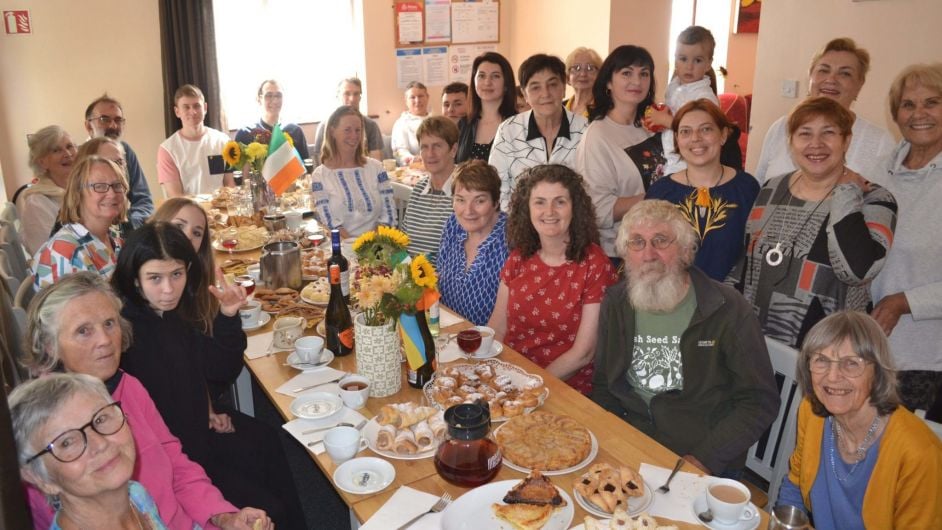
[[281, 265]]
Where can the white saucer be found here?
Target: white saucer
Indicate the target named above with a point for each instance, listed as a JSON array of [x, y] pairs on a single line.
[[700, 505], [317, 405], [635, 506], [326, 358], [363, 475], [263, 318], [496, 349]]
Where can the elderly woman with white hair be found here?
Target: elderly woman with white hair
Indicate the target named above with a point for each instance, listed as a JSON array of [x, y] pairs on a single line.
[[75, 326], [51, 155], [74, 443]]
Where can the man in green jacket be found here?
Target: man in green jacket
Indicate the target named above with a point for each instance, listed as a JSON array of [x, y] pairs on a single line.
[[680, 356]]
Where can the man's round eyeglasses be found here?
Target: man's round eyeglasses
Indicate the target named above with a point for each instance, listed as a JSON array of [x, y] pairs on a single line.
[[102, 187], [658, 242], [850, 366], [70, 445], [108, 120], [576, 68]]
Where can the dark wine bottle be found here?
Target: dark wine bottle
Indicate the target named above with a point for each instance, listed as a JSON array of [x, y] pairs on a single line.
[[338, 259], [338, 323], [417, 376]]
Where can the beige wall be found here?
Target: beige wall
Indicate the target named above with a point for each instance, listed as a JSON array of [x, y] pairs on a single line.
[[77, 51], [740, 62], [644, 23], [896, 33]]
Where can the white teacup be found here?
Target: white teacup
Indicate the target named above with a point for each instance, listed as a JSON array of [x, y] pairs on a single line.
[[286, 331], [343, 443], [728, 499], [487, 341], [250, 313], [309, 349], [354, 391], [293, 219]]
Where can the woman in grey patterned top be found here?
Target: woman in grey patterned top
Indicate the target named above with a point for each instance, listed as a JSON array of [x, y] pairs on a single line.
[[815, 237]]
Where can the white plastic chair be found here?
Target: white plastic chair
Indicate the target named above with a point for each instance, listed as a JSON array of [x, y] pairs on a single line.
[[768, 458]]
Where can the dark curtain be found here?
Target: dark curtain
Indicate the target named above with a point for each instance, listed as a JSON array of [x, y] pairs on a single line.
[[188, 54]]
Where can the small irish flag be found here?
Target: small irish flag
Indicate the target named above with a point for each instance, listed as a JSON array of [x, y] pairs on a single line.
[[283, 165]]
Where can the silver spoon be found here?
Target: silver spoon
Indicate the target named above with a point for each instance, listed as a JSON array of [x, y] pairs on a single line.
[[706, 516]]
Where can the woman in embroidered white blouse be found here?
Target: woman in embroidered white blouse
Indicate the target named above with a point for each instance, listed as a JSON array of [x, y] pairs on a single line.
[[352, 192]]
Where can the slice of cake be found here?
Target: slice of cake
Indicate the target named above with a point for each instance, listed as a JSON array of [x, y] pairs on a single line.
[[536, 490], [524, 516]]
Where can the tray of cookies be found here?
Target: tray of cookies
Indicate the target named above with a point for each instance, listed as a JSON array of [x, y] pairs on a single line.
[[274, 300], [508, 390], [406, 431]]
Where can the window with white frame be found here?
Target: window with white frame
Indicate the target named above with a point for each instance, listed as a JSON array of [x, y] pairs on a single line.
[[308, 46]]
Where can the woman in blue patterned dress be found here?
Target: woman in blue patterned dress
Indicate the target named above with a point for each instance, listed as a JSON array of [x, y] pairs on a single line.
[[474, 243]]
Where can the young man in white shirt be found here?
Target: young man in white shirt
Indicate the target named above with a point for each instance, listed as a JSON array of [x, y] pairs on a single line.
[[190, 161]]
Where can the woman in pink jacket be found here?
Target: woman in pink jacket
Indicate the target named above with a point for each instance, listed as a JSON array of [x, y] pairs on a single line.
[[75, 326]]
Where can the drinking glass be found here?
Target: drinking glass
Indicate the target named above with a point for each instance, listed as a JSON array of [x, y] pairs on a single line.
[[469, 341], [229, 239]]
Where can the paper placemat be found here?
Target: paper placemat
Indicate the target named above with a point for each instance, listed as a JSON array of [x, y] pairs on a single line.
[[447, 318], [260, 345], [297, 426], [306, 379], [405, 504], [451, 352], [685, 488]]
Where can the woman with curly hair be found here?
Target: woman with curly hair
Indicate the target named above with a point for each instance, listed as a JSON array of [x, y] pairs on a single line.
[[552, 284]]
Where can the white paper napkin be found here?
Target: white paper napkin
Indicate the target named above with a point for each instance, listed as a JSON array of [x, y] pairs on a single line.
[[258, 345], [297, 426], [676, 504], [305, 379], [451, 352], [447, 318], [405, 504]]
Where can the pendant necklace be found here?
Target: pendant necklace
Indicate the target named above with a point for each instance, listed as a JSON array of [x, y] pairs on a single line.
[[861, 451], [775, 255], [703, 200]]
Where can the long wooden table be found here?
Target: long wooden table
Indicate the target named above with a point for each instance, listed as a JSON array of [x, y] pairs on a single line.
[[619, 442]]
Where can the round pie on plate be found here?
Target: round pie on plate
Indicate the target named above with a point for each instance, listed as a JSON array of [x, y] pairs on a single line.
[[544, 441]]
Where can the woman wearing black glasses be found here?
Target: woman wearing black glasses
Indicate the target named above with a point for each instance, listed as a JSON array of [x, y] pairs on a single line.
[[93, 204], [74, 444]]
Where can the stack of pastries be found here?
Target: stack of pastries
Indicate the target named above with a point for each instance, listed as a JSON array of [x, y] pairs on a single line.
[[609, 487], [505, 395], [407, 428]]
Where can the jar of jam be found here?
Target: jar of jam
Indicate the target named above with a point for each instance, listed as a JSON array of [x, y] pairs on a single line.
[[468, 456]]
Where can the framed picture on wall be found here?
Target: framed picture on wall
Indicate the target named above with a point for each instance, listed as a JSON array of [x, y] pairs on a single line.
[[747, 16]]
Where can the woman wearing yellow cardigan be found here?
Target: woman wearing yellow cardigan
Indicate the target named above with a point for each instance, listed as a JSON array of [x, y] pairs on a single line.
[[860, 460]]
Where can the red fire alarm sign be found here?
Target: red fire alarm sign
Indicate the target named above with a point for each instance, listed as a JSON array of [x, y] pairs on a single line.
[[17, 22]]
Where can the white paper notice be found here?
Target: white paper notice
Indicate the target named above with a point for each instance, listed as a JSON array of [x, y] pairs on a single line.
[[409, 19], [436, 65], [408, 66], [437, 21], [474, 22], [461, 58]]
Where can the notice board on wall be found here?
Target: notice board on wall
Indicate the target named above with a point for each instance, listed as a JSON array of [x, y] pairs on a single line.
[[435, 22], [436, 40]]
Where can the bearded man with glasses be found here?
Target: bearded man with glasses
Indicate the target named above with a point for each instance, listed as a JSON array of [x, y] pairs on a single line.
[[680, 356], [105, 117]]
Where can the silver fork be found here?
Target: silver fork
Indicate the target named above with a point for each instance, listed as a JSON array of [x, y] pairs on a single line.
[[440, 505], [666, 487]]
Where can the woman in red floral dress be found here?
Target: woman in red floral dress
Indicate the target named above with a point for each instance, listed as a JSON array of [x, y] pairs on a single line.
[[552, 284]]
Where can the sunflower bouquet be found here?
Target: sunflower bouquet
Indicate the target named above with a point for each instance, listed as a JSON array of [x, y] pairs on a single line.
[[388, 282], [237, 154]]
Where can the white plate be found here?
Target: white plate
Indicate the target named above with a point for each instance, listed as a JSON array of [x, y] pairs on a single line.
[[699, 505], [472, 511], [218, 246], [321, 328], [496, 349], [636, 505], [326, 358], [312, 302], [317, 406], [370, 432], [593, 452], [518, 377], [363, 475], [263, 318], [603, 522]]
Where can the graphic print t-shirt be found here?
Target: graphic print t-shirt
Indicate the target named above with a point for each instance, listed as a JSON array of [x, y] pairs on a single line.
[[656, 364]]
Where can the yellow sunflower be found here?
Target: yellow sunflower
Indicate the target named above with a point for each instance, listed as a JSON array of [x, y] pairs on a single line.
[[232, 153], [423, 273], [364, 238], [396, 236], [255, 150]]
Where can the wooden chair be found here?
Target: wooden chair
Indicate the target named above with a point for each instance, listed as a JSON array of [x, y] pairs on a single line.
[[769, 457]]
